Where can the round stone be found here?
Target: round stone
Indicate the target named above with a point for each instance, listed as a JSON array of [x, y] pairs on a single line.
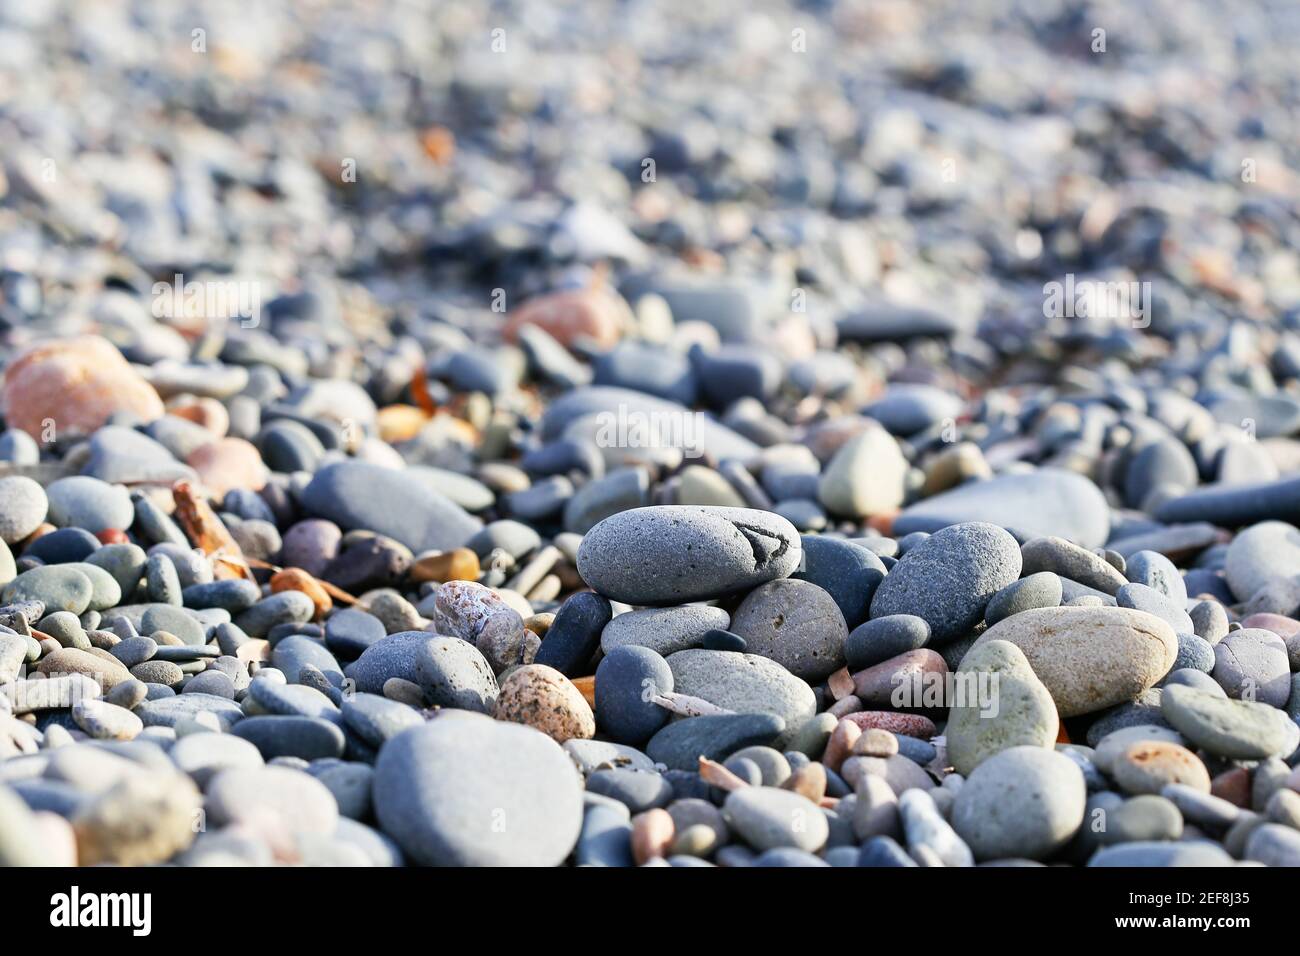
[[675, 554], [1253, 664], [453, 673], [295, 801], [949, 578], [396, 655], [848, 572], [545, 700], [83, 502], [1090, 658], [1025, 802], [794, 623], [1258, 555], [626, 679], [1147, 766], [865, 477], [203, 755], [767, 818], [468, 791], [377, 719], [22, 507]]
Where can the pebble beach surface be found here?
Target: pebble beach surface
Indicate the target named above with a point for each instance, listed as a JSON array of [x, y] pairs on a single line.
[[617, 434]]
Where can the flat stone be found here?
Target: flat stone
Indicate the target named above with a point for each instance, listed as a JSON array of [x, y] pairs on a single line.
[[391, 503], [168, 711], [1044, 502], [59, 587], [768, 817], [1236, 729], [664, 630], [1236, 505], [1090, 658], [675, 554], [278, 736], [680, 744]]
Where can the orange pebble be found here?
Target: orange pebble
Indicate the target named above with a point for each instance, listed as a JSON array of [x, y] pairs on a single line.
[[460, 564], [111, 536], [587, 686]]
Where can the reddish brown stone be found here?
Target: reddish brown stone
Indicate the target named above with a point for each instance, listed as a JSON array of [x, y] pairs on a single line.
[[75, 385]]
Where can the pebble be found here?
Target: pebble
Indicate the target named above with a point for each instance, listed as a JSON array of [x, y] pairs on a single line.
[[1253, 664], [681, 743], [1236, 729], [949, 578], [881, 638], [794, 623], [1067, 560], [544, 699], [866, 476], [1025, 802], [1037, 590], [575, 634], [1148, 766], [451, 793], [664, 630], [848, 572], [25, 507], [1010, 707], [743, 683], [239, 793], [677, 554], [282, 736], [768, 818], [1090, 658], [388, 502], [625, 678], [452, 673], [1044, 502]]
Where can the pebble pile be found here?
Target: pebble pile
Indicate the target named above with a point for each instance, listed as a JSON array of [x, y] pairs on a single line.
[[628, 451]]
